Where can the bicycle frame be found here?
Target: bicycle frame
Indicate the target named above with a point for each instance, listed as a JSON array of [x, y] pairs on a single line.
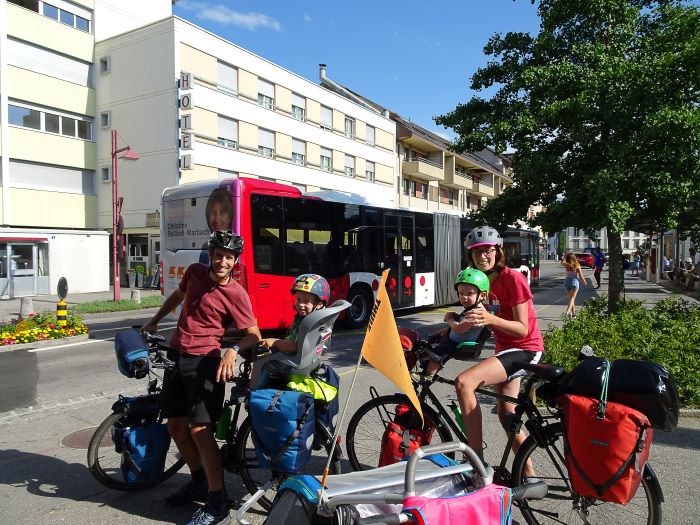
[[535, 424]]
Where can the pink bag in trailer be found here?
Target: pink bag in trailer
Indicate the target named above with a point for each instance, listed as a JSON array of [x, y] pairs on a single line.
[[488, 506]]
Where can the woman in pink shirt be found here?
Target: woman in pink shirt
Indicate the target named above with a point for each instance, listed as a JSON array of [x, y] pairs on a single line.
[[511, 316]]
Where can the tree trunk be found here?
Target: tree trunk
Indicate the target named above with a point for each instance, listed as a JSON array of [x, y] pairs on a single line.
[[616, 273]]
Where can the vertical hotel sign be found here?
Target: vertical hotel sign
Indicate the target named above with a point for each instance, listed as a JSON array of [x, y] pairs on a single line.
[[185, 123]]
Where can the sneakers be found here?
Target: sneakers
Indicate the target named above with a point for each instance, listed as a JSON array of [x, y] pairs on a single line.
[[187, 494], [206, 516]]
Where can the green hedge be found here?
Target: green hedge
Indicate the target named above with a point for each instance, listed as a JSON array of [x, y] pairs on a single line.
[[96, 307], [668, 333]]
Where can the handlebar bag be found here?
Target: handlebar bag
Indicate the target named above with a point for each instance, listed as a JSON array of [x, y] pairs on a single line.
[[283, 428], [490, 505], [144, 449], [643, 385], [605, 456], [132, 353], [403, 435]]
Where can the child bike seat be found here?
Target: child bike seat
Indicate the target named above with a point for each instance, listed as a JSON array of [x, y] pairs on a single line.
[[471, 350], [313, 337]]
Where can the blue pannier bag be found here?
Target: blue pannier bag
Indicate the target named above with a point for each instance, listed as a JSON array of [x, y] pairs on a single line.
[[283, 428], [144, 449], [327, 411], [132, 353]]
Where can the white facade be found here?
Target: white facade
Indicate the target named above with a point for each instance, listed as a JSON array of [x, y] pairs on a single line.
[[141, 77]]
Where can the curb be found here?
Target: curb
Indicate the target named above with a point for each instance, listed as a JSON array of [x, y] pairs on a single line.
[[690, 412], [45, 343]]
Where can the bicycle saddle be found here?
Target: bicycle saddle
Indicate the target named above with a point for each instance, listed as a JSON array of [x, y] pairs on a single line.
[[546, 372]]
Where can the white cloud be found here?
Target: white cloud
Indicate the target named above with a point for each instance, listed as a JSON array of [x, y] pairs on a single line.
[[223, 15]]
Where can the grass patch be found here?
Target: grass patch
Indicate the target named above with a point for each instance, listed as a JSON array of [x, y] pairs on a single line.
[[98, 307]]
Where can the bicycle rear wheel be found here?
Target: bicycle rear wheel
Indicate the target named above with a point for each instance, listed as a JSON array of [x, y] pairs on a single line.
[[104, 461], [562, 505], [254, 476], [367, 425]]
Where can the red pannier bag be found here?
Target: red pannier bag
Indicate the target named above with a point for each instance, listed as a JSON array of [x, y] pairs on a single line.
[[400, 439], [605, 456]]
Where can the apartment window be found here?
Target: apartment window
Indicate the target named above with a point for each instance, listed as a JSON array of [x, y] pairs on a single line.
[[298, 152], [626, 243], [50, 11], [226, 78], [33, 5], [52, 123], [326, 118], [370, 135], [228, 132], [68, 126], [350, 128], [406, 187], [433, 193], [25, 117], [105, 65], [298, 107], [33, 118], [84, 130], [266, 94], [83, 24], [105, 119], [575, 244], [421, 190], [67, 18], [266, 143], [349, 165], [326, 159], [105, 174], [369, 171]]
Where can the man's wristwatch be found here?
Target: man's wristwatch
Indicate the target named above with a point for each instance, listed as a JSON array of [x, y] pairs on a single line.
[[236, 348]]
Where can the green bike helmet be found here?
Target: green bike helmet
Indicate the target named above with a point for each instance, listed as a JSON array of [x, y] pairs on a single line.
[[475, 277]]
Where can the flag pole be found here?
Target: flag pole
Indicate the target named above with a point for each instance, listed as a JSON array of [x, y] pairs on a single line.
[[337, 429]]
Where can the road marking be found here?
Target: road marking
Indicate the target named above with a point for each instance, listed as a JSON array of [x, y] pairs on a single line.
[[34, 350]]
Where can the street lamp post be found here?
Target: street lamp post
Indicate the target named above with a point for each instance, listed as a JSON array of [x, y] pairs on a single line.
[[117, 221]]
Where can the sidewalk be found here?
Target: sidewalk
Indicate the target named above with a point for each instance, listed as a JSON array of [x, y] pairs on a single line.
[[10, 308]]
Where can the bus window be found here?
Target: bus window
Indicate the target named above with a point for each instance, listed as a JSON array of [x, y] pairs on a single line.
[[424, 243], [266, 217], [308, 235]]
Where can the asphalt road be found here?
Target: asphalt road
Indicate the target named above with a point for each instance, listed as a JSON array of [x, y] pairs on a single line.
[[49, 395]]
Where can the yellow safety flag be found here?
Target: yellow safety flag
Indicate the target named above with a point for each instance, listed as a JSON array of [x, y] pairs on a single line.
[[382, 346]]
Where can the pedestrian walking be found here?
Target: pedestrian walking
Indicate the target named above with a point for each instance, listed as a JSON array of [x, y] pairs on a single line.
[[574, 275], [599, 263]]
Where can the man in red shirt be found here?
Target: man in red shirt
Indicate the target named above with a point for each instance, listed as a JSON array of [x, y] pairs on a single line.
[[193, 392]]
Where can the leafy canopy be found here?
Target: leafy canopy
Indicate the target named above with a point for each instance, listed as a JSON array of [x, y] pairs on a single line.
[[602, 110]]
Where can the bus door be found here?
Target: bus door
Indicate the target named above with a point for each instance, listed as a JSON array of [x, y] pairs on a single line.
[[400, 258]]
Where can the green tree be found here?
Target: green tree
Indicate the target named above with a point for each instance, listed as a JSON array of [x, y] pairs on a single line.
[[602, 110]]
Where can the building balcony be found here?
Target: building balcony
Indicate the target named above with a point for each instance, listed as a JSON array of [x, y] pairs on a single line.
[[484, 187], [456, 177], [423, 169]]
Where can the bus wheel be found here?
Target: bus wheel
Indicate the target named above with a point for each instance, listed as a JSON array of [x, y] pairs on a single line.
[[360, 307]]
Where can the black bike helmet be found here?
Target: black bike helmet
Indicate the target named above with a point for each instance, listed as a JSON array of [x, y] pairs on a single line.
[[226, 240]]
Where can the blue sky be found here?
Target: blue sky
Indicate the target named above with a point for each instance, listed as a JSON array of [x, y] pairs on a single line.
[[413, 57]]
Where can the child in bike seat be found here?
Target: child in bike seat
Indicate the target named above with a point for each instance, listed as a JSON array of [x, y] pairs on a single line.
[[311, 292], [472, 287]]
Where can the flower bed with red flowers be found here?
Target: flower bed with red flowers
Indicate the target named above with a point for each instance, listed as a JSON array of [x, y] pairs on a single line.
[[40, 327]]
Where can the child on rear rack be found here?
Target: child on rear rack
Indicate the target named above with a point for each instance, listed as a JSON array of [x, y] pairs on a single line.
[[311, 292], [472, 287]]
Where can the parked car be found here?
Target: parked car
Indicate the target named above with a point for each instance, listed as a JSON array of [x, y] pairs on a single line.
[[586, 259]]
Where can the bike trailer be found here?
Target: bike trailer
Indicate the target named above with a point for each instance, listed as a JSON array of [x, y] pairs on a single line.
[[297, 500], [132, 353], [283, 428], [144, 450], [643, 385], [606, 446]]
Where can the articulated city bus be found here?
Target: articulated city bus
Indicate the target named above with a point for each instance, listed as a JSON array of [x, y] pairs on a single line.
[[287, 233]]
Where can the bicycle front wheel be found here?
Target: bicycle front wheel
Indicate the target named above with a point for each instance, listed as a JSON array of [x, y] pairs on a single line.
[[104, 459], [367, 425], [254, 476], [562, 505]]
